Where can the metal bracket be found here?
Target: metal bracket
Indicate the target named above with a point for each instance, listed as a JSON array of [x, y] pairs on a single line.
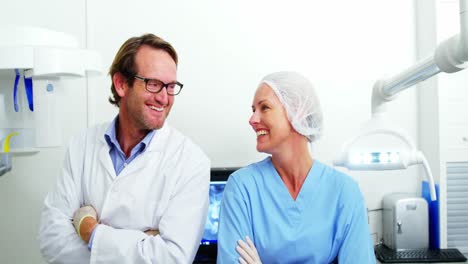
[[5, 163]]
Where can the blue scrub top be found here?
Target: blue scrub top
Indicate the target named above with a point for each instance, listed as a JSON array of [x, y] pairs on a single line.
[[327, 221]]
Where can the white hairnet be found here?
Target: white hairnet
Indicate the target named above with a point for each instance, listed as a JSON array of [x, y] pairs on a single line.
[[298, 97]]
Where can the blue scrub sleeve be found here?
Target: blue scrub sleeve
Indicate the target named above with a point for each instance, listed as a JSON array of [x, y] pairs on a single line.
[[357, 246], [234, 223]]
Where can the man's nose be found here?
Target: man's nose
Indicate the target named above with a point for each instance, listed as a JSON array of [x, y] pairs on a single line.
[[162, 97]]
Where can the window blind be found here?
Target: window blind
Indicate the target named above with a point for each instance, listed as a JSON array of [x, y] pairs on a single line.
[[457, 206]]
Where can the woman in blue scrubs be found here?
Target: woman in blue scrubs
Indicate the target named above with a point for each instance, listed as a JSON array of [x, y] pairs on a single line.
[[290, 207]]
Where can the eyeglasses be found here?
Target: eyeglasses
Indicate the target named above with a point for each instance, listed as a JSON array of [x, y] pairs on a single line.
[[155, 85]]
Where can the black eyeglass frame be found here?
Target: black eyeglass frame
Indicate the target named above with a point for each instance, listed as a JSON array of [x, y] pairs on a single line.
[[165, 85]]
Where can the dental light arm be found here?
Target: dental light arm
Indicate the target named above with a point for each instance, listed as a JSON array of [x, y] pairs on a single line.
[[450, 56]]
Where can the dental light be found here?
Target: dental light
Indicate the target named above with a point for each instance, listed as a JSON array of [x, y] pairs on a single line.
[[450, 56]]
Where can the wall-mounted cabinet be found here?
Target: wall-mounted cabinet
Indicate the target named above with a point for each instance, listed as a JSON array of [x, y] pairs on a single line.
[[44, 53], [32, 63]]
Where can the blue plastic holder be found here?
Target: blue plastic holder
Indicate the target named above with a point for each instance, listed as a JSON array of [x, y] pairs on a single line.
[[28, 85], [434, 220], [15, 90]]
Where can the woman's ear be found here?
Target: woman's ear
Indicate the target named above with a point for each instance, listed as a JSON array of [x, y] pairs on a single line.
[[120, 83]]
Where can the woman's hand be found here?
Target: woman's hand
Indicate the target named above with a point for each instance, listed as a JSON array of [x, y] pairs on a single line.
[[247, 251]]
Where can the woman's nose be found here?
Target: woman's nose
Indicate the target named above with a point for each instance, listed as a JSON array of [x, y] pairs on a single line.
[[254, 119]]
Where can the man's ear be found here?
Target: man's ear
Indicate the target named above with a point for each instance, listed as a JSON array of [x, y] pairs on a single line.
[[120, 83]]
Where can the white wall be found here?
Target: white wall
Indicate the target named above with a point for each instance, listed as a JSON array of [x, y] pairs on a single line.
[[225, 48]]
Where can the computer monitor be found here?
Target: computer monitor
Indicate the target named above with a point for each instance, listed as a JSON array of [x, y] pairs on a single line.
[[207, 251], [210, 236]]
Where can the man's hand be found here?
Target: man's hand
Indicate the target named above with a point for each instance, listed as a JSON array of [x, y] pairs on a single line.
[[84, 220], [151, 232], [247, 251]]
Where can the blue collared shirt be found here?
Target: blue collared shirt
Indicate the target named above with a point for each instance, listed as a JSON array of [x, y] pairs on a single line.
[[118, 157]]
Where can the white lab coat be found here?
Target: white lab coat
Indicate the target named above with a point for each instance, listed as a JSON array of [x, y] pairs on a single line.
[[165, 188]]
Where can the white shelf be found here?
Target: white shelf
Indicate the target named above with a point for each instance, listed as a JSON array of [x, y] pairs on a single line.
[[22, 151], [44, 53]]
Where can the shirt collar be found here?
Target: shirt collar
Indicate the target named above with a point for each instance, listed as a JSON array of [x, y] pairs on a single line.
[[111, 136]]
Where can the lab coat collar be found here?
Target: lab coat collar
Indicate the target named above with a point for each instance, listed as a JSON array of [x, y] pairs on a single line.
[[157, 144]]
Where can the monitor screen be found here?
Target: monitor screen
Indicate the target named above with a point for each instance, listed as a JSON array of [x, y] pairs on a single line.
[[208, 246], [210, 236]]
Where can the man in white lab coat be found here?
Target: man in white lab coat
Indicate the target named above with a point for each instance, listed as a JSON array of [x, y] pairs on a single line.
[[134, 190]]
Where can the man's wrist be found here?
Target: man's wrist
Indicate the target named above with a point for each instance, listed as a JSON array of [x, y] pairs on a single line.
[[86, 228]]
